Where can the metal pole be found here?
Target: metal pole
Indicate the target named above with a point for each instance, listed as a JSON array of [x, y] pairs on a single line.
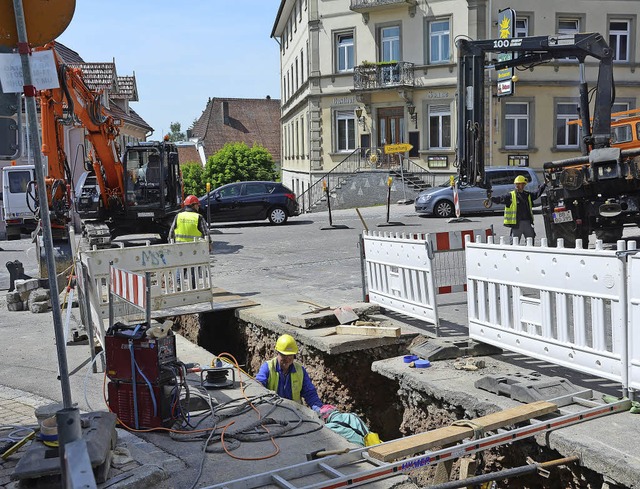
[[47, 238], [388, 198], [404, 186], [69, 429], [363, 265], [504, 474], [326, 191], [147, 291]]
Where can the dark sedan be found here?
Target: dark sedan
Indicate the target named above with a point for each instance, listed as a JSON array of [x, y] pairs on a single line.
[[250, 201]]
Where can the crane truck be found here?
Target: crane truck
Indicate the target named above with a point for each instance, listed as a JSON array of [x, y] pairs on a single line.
[[596, 192], [139, 192]]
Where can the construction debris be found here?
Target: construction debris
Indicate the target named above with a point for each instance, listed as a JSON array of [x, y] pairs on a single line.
[[380, 331]]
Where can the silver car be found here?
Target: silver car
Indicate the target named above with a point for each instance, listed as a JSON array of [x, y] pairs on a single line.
[[438, 201]]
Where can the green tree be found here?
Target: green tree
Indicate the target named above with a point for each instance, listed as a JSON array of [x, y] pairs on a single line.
[[175, 134], [193, 179], [236, 162]]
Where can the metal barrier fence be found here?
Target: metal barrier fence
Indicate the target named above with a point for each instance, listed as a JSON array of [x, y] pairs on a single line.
[[179, 275], [569, 307], [405, 272]]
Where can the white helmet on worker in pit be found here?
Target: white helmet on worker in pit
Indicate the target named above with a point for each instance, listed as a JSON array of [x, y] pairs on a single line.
[[286, 345]]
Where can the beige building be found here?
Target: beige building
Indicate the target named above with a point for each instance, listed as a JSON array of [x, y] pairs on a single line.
[[359, 74]]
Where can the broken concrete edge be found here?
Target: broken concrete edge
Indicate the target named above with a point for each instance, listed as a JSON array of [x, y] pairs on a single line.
[[323, 339], [621, 467]]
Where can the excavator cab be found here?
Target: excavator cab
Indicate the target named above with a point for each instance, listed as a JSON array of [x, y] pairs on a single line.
[[153, 185]]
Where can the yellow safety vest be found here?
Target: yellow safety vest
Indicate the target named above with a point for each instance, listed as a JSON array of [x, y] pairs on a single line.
[[187, 226], [296, 379], [510, 211]]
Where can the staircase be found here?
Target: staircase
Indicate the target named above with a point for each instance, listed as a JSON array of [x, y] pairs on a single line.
[[348, 176]]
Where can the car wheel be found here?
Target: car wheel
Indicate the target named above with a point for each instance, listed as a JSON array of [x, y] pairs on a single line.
[[444, 208], [278, 215]]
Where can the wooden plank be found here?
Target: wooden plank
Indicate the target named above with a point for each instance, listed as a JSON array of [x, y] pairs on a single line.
[[451, 434], [379, 331]]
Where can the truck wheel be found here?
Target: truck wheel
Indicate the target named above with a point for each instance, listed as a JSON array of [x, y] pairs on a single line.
[[609, 235], [444, 208]]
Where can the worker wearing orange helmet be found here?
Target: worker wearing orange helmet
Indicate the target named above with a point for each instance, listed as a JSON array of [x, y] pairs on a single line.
[[189, 223], [288, 378], [518, 208]]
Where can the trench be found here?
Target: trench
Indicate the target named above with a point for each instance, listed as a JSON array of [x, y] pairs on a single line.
[[389, 409]]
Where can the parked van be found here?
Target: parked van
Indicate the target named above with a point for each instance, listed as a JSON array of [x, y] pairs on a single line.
[[438, 201], [18, 218]]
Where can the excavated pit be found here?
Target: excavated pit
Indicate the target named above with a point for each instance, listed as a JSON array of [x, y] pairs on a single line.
[[347, 381]]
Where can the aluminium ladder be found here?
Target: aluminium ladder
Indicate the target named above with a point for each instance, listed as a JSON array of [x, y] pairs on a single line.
[[357, 467]]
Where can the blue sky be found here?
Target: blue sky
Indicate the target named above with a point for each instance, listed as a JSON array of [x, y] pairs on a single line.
[[182, 52]]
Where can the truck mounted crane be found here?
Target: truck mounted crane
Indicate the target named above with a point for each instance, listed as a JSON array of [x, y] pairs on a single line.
[[138, 193], [596, 192]]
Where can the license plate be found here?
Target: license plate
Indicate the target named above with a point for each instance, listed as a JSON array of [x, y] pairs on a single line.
[[562, 216], [145, 214]]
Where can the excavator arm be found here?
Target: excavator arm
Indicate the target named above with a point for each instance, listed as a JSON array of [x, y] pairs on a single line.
[[74, 103]]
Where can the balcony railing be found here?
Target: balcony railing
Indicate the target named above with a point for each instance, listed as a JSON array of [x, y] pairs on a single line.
[[374, 76], [369, 5]]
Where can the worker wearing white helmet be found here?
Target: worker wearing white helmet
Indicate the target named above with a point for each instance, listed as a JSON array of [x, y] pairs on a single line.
[[518, 208], [288, 378]]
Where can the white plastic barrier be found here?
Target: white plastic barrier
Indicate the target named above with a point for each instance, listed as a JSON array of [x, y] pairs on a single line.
[[179, 272], [633, 299], [405, 273], [564, 306]]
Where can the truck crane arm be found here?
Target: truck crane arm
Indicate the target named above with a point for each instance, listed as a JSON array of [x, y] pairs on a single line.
[[531, 50]]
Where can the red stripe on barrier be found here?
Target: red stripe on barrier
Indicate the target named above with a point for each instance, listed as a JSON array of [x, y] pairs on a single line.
[[442, 241], [464, 235], [444, 290]]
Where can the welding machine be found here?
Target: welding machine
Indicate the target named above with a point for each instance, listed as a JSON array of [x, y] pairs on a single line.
[[142, 376]]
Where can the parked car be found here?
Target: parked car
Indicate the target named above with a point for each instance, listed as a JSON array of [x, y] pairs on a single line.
[[250, 201], [438, 201]]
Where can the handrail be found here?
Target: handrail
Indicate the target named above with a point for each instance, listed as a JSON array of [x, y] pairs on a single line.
[[314, 194]]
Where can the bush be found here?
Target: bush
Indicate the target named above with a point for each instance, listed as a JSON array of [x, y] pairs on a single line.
[[236, 162]]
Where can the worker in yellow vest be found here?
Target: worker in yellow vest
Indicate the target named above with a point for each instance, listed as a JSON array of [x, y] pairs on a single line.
[[188, 224], [288, 378], [518, 210]]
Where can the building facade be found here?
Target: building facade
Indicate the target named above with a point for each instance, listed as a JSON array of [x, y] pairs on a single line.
[[360, 74]]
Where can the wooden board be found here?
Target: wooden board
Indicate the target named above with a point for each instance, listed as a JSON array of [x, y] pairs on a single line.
[[379, 331], [451, 434]]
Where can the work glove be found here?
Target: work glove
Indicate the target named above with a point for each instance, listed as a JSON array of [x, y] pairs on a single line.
[[316, 409]]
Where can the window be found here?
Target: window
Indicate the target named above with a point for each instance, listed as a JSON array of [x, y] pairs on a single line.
[[18, 181], [439, 126], [437, 161], [439, 40], [522, 27], [256, 188], [346, 130], [516, 125], [344, 52], [621, 134], [302, 66], [619, 107], [567, 135], [390, 43], [568, 26], [619, 36]]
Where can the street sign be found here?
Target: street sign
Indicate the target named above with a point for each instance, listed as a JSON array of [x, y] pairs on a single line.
[[506, 21], [45, 19], [397, 148]]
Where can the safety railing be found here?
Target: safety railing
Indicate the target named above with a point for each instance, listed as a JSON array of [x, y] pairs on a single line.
[[179, 275], [405, 272], [570, 307]]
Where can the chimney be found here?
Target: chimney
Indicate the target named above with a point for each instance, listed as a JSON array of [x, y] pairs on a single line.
[[225, 112]]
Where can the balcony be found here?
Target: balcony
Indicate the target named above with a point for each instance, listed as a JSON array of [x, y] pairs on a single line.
[[374, 76], [366, 6], [363, 6]]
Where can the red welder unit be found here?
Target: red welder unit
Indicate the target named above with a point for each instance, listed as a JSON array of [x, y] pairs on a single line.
[[153, 395], [151, 355]]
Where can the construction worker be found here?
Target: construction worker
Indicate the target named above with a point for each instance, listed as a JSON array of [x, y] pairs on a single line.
[[518, 210], [288, 378], [188, 224]]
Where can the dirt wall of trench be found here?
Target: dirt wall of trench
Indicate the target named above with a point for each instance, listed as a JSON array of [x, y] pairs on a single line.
[[346, 380]]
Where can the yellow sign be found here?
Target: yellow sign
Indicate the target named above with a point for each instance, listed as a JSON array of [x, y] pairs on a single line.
[[397, 148]]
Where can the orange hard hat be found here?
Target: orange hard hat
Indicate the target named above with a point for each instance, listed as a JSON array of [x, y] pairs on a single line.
[[191, 200]]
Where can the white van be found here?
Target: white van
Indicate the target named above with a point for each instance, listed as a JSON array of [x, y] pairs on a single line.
[[17, 215]]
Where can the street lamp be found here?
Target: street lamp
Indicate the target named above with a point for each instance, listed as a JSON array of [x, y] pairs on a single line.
[[412, 112], [359, 116]]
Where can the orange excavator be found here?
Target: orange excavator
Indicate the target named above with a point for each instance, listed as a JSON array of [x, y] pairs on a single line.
[[139, 192]]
